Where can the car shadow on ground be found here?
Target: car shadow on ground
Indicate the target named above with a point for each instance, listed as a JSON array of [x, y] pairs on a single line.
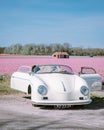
[[97, 103]]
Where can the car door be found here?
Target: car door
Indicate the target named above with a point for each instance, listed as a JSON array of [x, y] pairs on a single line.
[[20, 80], [93, 79]]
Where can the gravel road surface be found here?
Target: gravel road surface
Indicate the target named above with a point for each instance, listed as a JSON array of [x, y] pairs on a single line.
[[17, 113]]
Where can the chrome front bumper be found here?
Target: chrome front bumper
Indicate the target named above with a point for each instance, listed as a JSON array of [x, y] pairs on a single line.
[[52, 103]]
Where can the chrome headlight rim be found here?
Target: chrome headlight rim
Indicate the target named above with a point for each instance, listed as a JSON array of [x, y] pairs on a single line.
[[84, 90], [42, 90]]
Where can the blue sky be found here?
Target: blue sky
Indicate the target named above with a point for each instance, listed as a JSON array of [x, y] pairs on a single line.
[[78, 22]]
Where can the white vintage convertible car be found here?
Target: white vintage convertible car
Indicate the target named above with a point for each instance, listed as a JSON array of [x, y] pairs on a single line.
[[54, 84]]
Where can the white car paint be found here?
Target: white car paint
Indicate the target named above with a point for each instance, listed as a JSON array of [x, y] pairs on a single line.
[[93, 79], [63, 88]]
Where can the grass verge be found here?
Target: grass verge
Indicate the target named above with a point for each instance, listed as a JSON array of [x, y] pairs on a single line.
[[97, 102], [5, 86]]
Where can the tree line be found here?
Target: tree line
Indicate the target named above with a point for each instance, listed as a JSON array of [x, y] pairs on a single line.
[[44, 49]]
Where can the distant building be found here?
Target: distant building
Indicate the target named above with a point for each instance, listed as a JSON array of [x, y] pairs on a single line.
[[61, 55]]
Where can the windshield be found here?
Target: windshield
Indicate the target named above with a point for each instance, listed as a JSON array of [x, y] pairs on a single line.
[[52, 69]]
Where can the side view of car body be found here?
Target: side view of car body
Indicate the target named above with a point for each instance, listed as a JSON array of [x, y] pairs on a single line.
[[52, 85]]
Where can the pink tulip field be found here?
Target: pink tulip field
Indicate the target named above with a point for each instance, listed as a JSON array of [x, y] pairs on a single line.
[[9, 64]]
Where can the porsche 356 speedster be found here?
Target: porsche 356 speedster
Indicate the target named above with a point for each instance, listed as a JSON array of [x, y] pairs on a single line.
[[52, 85]]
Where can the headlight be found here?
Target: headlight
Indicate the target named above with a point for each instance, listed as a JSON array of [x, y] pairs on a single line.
[[42, 90], [84, 90]]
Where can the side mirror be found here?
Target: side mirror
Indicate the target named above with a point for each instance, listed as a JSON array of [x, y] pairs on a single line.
[[30, 73], [79, 73]]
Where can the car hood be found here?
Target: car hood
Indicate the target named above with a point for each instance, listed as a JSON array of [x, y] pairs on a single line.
[[58, 82]]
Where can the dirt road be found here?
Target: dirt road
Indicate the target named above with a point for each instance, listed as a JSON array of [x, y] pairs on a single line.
[[17, 113]]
